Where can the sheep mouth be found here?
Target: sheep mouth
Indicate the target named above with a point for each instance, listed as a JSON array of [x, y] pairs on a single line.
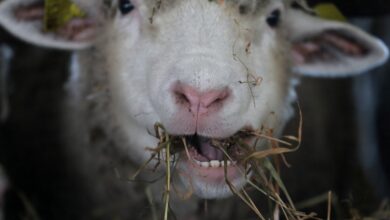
[[214, 160], [213, 153], [206, 152], [208, 158]]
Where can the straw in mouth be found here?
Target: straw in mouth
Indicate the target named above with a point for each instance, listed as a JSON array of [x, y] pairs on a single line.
[[208, 152]]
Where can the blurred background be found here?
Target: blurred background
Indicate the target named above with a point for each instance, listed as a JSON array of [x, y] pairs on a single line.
[[346, 134]]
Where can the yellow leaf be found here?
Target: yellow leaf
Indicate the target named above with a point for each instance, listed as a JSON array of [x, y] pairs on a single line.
[[59, 12], [329, 11]]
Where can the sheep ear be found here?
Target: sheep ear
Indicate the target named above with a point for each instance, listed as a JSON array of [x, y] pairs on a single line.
[[327, 48], [25, 20]]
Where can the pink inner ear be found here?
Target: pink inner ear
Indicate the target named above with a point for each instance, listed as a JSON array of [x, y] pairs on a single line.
[[30, 13], [77, 29], [327, 46]]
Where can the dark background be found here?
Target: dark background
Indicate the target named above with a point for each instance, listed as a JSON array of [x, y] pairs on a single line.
[[352, 8], [33, 155]]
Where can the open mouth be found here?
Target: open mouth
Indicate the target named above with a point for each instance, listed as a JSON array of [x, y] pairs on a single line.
[[207, 159], [213, 153], [214, 167], [215, 163], [214, 159]]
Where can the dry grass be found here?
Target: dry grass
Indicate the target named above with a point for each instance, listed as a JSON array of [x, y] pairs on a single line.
[[265, 168], [261, 171]]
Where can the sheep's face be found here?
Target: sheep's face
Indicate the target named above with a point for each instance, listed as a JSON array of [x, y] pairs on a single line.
[[207, 69], [202, 70]]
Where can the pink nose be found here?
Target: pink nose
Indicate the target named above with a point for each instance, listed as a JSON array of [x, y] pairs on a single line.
[[200, 102]]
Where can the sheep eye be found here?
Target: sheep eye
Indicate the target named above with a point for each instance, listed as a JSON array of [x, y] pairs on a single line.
[[273, 18], [125, 6]]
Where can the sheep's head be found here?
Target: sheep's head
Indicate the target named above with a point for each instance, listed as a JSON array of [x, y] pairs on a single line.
[[206, 70]]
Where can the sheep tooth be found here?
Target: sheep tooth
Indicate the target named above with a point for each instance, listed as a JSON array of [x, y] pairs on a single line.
[[205, 164], [215, 163]]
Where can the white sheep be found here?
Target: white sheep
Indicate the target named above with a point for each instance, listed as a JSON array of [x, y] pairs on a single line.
[[204, 69]]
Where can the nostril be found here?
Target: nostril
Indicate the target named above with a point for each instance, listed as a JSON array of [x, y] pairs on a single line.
[[213, 98], [186, 95], [181, 98]]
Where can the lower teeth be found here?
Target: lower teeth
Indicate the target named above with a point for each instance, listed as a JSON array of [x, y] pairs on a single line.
[[215, 163]]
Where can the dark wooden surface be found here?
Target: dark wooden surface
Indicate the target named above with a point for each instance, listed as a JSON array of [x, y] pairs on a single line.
[[30, 139]]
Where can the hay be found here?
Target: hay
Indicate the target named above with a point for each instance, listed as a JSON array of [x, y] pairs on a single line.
[[264, 166], [168, 181]]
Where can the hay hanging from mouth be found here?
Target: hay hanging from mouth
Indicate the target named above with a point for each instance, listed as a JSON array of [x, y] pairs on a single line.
[[264, 165], [266, 179]]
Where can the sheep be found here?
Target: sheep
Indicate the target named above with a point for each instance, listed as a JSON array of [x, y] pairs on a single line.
[[203, 69]]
